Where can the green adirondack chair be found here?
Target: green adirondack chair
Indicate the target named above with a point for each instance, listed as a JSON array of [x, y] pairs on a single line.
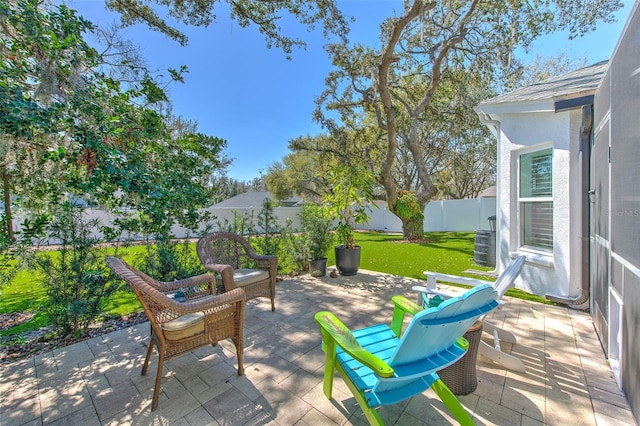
[[382, 366]]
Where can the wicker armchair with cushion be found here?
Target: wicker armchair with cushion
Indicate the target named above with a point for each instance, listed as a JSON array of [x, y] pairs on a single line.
[[180, 327], [236, 264]]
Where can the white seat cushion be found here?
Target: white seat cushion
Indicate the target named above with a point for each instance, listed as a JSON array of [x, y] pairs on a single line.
[[184, 326], [244, 277]]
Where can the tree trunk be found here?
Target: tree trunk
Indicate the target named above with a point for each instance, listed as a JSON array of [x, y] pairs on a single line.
[[7, 206], [412, 229]]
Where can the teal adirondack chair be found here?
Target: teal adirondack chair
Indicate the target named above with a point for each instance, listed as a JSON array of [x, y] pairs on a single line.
[[382, 366]]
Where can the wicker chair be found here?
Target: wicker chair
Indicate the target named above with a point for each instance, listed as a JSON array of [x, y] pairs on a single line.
[[180, 327], [236, 264]]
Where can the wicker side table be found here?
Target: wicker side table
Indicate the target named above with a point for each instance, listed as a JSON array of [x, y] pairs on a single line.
[[460, 376]]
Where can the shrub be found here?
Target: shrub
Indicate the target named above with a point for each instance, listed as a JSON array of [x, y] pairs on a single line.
[[75, 279], [269, 229], [242, 224], [291, 250], [316, 229], [170, 259]]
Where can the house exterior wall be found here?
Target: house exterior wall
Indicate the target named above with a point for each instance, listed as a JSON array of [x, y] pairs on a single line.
[[615, 269], [557, 273]]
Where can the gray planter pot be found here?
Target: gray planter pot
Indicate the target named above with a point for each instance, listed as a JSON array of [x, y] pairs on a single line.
[[347, 260], [318, 267]]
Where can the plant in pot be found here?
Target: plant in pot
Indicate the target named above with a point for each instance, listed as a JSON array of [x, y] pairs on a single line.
[[318, 238], [352, 188]]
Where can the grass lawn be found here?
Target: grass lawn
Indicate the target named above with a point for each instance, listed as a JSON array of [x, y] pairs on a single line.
[[447, 252]]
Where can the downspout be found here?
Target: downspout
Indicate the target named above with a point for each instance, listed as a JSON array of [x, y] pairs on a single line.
[[494, 127], [583, 186]]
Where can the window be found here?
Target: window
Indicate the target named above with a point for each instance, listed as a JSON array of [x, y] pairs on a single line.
[[536, 201]]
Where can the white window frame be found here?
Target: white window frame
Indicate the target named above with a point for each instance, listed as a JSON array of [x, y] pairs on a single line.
[[535, 199]]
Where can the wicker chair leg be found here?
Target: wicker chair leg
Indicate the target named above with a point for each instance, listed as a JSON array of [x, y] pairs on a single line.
[[239, 351], [146, 360], [156, 389], [273, 304]]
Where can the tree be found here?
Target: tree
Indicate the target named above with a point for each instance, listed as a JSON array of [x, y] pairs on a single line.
[[265, 14], [541, 68], [426, 43], [471, 167], [469, 158], [304, 172], [352, 189], [43, 57], [94, 126]]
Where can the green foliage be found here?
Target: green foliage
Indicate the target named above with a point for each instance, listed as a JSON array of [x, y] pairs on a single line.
[[408, 207], [408, 91], [269, 228], [69, 127], [289, 249], [292, 256], [273, 239], [448, 252], [265, 15], [316, 230], [15, 252], [75, 279], [304, 171], [241, 224], [43, 56], [167, 259], [268, 237], [352, 189], [411, 212]]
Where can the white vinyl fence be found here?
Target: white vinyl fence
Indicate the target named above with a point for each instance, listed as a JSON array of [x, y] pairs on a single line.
[[445, 215]]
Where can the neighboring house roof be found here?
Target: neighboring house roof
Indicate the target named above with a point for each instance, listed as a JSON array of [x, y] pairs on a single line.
[[252, 200], [489, 192], [582, 82]]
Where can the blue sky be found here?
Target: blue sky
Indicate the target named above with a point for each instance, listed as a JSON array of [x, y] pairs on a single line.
[[239, 90]]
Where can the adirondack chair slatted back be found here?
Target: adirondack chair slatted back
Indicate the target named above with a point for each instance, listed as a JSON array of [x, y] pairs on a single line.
[[436, 329], [382, 369], [507, 279]]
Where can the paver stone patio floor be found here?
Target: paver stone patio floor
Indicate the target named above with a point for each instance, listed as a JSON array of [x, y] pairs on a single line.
[[98, 381]]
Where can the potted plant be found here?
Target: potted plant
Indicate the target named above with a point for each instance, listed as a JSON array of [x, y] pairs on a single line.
[[352, 188], [318, 238]]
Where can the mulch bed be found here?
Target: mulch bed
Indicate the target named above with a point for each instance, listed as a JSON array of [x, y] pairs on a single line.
[[38, 341], [12, 319]]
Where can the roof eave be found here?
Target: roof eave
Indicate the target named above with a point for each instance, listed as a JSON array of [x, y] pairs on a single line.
[[528, 106]]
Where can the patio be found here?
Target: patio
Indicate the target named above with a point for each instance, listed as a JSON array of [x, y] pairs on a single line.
[[568, 380]]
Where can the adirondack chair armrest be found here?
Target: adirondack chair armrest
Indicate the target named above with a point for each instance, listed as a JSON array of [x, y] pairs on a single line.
[[431, 276], [431, 291], [335, 332], [402, 306]]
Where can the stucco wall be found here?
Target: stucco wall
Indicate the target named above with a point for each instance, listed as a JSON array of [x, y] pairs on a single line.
[[556, 273]]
